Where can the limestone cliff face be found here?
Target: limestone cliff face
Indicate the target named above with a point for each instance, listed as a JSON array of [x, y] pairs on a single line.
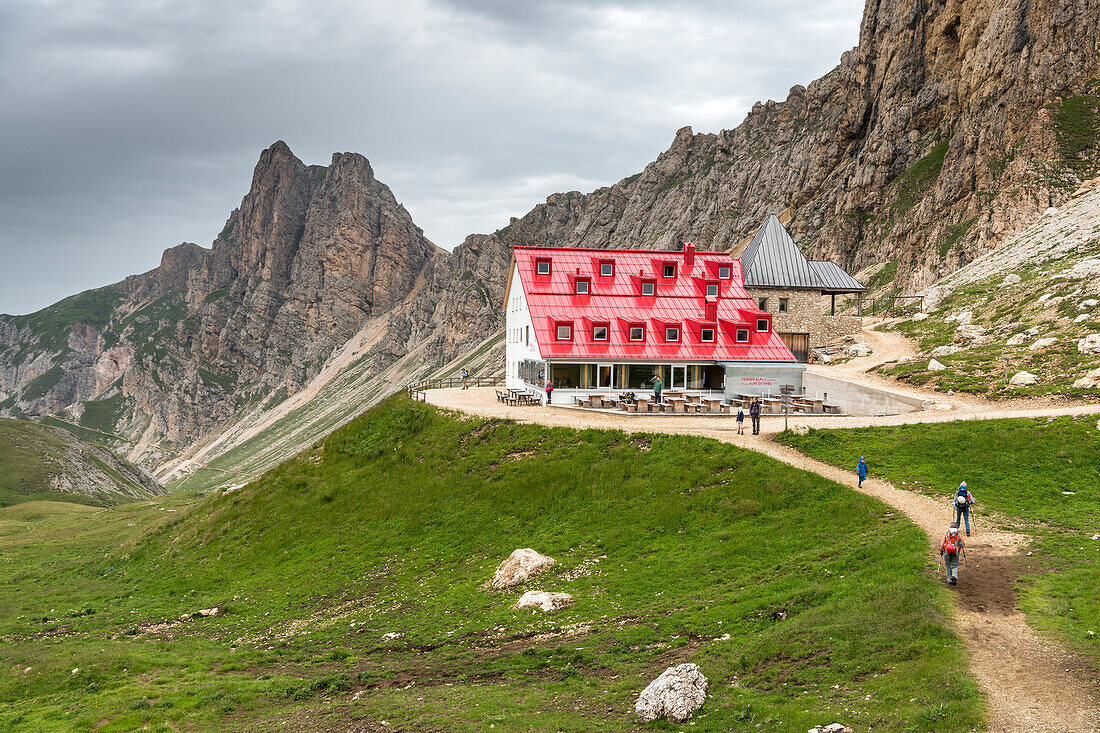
[[952, 125]]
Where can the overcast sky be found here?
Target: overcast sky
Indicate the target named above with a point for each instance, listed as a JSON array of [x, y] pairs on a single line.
[[128, 127]]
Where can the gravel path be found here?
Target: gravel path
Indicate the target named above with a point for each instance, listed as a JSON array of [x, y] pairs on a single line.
[[1032, 683]]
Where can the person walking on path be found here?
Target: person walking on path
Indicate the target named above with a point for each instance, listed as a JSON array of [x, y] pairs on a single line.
[[950, 549], [740, 420], [465, 376], [861, 469], [962, 501], [658, 387], [754, 412], [549, 391]]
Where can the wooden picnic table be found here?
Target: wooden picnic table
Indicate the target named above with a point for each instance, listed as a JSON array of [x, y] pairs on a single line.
[[770, 404], [713, 404], [677, 404]]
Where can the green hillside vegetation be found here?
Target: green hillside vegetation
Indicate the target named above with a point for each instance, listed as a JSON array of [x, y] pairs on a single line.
[[53, 323], [1018, 469], [33, 455], [393, 524]]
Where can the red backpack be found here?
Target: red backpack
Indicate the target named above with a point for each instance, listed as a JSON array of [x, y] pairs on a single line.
[[950, 545]]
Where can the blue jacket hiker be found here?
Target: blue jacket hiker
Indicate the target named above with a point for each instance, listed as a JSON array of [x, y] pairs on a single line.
[[962, 501], [861, 469], [740, 421]]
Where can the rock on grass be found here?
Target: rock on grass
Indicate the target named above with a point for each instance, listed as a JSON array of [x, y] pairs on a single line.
[[676, 694], [520, 566]]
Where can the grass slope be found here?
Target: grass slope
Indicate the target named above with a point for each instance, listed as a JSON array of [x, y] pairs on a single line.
[[394, 523], [38, 462], [1018, 469]]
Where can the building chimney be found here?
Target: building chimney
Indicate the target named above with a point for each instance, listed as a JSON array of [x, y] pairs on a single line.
[[689, 254]]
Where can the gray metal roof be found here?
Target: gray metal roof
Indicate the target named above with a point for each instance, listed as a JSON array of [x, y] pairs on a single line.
[[773, 260]]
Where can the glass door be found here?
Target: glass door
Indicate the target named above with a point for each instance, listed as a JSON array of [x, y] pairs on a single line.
[[679, 378], [606, 376]]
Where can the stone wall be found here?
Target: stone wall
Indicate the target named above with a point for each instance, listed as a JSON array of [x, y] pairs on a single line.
[[807, 312]]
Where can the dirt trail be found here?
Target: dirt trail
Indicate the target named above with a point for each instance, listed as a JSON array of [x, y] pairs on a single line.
[[1033, 685]]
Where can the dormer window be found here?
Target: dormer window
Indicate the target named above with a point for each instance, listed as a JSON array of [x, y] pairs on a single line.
[[542, 267], [742, 335], [582, 287], [672, 333], [565, 332], [648, 287], [607, 269], [712, 290], [761, 325], [669, 270], [724, 273], [599, 332], [706, 335], [637, 332]]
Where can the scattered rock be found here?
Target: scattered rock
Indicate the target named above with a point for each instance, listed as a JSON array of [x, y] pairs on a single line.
[[946, 350], [1087, 304], [1089, 344], [1019, 339], [919, 316], [676, 694], [1089, 381], [800, 429], [934, 296], [1020, 379], [831, 728], [208, 611], [968, 333], [1081, 318], [520, 566], [76, 670], [1010, 279], [964, 318], [391, 636], [935, 366], [1082, 270], [1094, 538], [1043, 343], [860, 348], [543, 601]]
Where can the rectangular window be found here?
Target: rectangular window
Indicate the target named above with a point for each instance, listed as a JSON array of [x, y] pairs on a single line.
[[724, 273], [542, 267], [637, 333], [527, 336], [712, 290], [742, 335], [782, 305], [761, 325], [565, 332], [647, 288], [582, 287], [763, 304], [706, 334], [670, 270], [599, 333], [607, 269], [672, 334]]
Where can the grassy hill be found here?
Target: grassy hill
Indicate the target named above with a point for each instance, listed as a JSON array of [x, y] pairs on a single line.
[[1040, 477], [393, 524], [38, 462]]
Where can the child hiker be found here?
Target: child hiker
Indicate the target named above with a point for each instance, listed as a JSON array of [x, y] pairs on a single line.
[[740, 420], [861, 469]]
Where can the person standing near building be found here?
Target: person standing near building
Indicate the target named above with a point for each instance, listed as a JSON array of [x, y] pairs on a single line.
[[754, 412], [549, 391], [658, 387], [861, 470], [740, 420]]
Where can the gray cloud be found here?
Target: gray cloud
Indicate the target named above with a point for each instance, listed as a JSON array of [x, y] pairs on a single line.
[[130, 126]]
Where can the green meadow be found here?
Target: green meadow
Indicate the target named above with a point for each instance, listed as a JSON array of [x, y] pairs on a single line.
[[350, 587]]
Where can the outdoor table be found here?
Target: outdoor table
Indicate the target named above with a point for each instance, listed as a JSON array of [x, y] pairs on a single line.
[[713, 404], [641, 404], [677, 404], [609, 401], [770, 404], [816, 404]]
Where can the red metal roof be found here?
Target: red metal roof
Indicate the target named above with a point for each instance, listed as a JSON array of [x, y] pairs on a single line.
[[617, 301]]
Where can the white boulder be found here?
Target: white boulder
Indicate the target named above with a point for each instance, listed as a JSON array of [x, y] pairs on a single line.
[[1020, 379], [860, 348], [935, 366], [1043, 343], [831, 728], [1089, 381], [1089, 344], [676, 694], [919, 316], [520, 566], [543, 601], [968, 332], [1010, 279], [964, 318], [1019, 339], [946, 350], [1081, 318], [1087, 304]]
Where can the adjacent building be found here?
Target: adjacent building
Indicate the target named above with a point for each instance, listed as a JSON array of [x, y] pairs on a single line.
[[594, 320], [799, 294]]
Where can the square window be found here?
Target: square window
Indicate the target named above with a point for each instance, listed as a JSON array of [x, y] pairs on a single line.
[[637, 333], [670, 270], [607, 269], [647, 288], [542, 267], [706, 334], [712, 290], [599, 333], [782, 305], [724, 273], [565, 332], [763, 304], [761, 325], [742, 335], [582, 287], [672, 334]]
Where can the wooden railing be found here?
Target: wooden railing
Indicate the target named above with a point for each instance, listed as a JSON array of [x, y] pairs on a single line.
[[417, 390]]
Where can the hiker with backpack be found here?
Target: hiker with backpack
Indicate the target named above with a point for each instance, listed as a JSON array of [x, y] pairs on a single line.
[[754, 413], [465, 376], [950, 549], [861, 470], [961, 502], [740, 420]]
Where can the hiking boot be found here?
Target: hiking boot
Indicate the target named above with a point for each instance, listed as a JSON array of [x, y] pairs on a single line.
[[968, 533], [953, 581]]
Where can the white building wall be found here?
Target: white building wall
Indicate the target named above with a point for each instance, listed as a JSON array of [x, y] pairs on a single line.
[[521, 343]]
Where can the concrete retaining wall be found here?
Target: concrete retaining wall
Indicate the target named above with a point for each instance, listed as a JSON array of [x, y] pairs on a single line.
[[859, 399]]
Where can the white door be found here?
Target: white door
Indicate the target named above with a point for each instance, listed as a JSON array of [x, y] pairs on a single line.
[[605, 377], [679, 377]]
